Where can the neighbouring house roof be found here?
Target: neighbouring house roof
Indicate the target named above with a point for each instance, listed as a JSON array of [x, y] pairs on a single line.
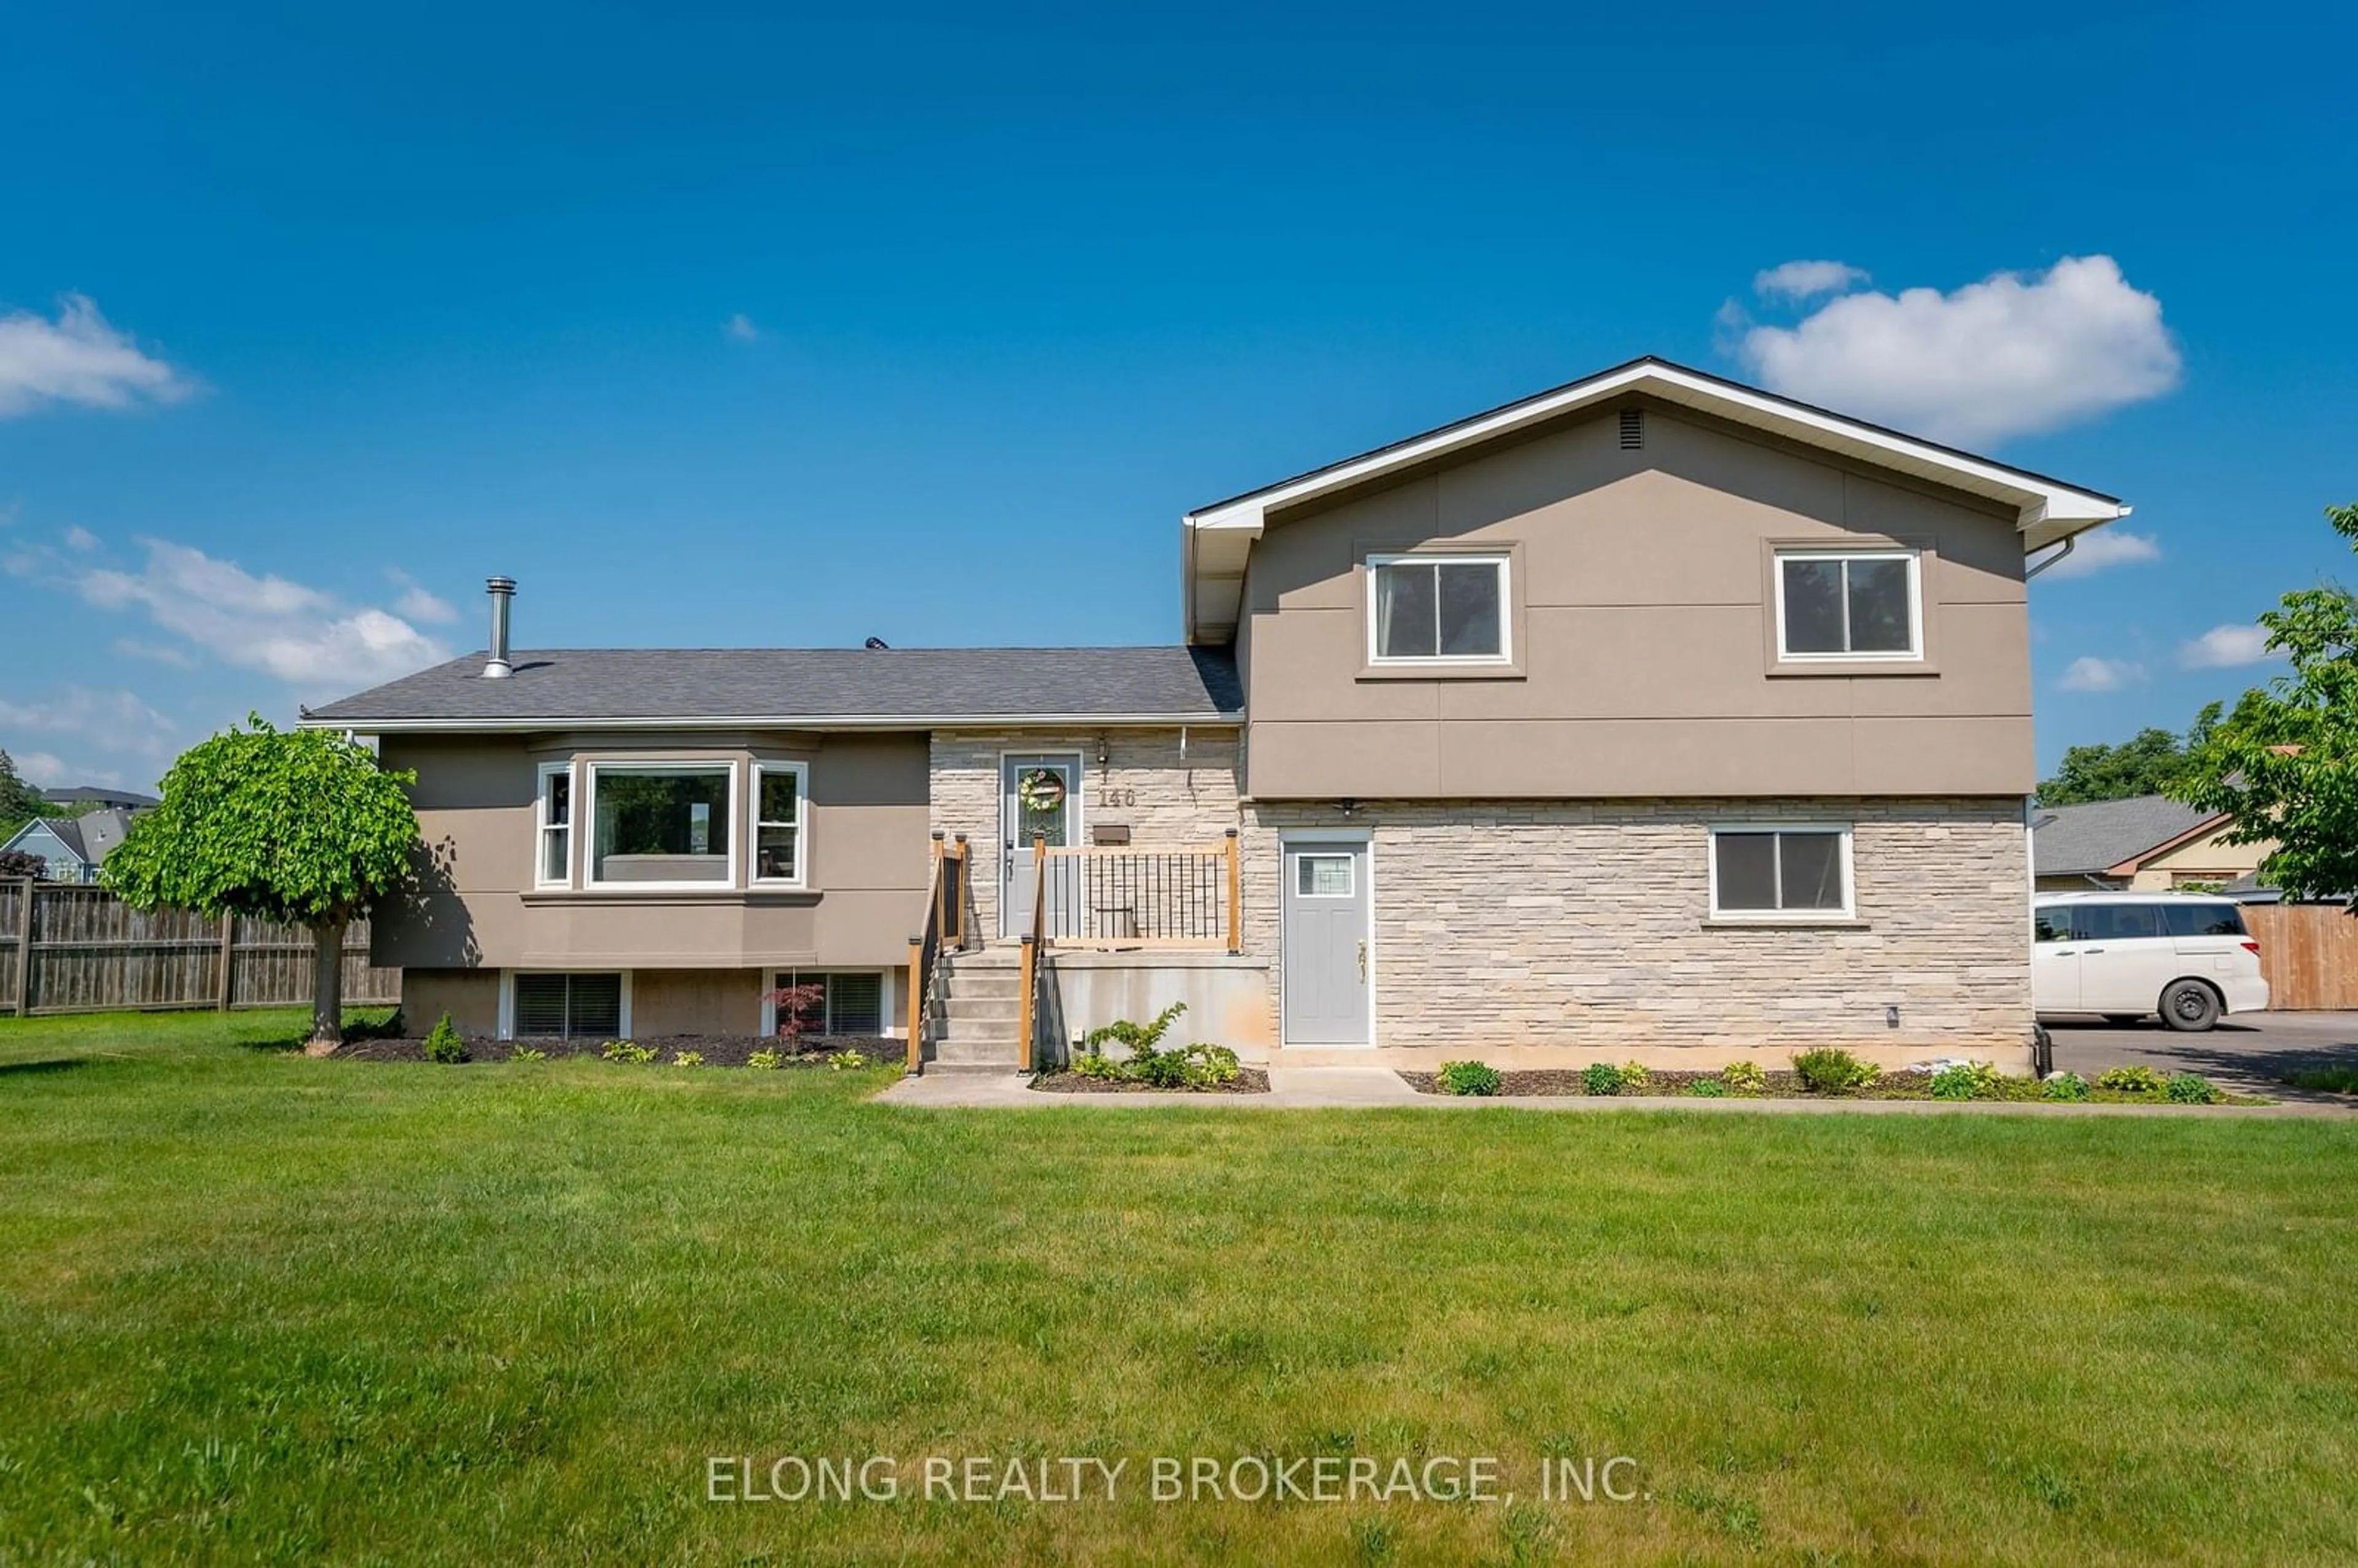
[[1220, 535], [91, 837], [81, 794], [803, 688], [2106, 835]]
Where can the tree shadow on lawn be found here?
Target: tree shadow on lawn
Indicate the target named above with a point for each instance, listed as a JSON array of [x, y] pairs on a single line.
[[47, 1065]]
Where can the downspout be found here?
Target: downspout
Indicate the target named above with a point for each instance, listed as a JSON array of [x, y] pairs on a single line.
[[2070, 543]]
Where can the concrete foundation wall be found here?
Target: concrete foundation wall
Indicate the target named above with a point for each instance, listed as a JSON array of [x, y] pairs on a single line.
[[1228, 999]]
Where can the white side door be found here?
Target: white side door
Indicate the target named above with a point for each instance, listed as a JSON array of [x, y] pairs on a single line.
[[2054, 962], [2126, 958]]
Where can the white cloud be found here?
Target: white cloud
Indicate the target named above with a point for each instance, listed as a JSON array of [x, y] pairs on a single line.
[[2225, 647], [419, 603], [740, 329], [2100, 675], [154, 652], [300, 634], [110, 720], [2103, 547], [1806, 280], [2011, 355], [80, 538], [77, 358], [47, 770]]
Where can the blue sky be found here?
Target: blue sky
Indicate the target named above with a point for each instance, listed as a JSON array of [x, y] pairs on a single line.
[[780, 327]]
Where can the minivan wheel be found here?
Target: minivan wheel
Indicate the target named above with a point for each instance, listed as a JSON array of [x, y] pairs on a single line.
[[2191, 1006]]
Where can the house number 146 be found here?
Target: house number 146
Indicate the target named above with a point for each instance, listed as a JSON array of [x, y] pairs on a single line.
[[1113, 798]]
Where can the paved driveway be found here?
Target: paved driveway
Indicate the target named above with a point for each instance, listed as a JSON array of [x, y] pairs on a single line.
[[2251, 1051]]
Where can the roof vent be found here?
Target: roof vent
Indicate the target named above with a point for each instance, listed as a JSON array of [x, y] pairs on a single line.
[[1633, 429], [503, 591]]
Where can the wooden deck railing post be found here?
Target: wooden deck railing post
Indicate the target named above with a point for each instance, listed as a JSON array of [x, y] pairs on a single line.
[[1236, 894], [1025, 1021], [918, 1003]]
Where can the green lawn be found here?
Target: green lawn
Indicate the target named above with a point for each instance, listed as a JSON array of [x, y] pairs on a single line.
[[258, 1307]]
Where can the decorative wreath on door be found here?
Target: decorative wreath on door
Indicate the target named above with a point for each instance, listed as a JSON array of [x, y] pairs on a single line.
[[1041, 790]]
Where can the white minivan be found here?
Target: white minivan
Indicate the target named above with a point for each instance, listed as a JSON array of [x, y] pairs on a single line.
[[2131, 955]]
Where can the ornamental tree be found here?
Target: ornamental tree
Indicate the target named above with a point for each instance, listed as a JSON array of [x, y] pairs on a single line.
[[2286, 761], [299, 827]]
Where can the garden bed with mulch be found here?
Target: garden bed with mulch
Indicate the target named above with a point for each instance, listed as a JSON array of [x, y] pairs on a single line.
[[1540, 1083], [718, 1050], [1248, 1081]]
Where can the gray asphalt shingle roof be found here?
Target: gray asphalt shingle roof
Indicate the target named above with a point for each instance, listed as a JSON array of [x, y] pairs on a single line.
[[2066, 840], [917, 685]]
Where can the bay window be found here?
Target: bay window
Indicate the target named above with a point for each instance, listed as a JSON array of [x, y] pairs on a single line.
[[661, 824], [554, 867], [779, 793]]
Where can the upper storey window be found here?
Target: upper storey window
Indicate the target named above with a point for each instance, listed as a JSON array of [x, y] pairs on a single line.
[[1435, 609], [1863, 604]]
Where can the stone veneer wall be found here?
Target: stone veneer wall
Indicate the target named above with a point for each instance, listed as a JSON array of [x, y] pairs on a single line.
[[1163, 797], [1503, 923]]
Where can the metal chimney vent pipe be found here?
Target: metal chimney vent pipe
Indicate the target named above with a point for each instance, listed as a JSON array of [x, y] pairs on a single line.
[[502, 593]]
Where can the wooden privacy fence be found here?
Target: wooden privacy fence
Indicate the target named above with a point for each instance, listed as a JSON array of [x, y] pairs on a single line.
[[2308, 953], [70, 948]]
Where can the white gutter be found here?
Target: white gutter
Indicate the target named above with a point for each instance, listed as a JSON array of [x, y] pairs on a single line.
[[774, 721]]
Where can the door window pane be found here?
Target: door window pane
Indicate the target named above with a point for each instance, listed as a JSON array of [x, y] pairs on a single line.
[[661, 825], [2115, 922], [1043, 805], [2053, 926], [1323, 876], [1407, 622], [1748, 871]]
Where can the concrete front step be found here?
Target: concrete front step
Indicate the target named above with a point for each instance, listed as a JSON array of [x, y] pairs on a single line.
[[990, 1009], [976, 1053], [939, 1068], [1003, 987]]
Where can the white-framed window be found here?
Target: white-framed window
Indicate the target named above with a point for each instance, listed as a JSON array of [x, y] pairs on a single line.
[[1322, 874], [661, 825], [850, 1001], [1438, 608], [1780, 871], [781, 810], [1850, 604], [554, 818], [568, 1005]]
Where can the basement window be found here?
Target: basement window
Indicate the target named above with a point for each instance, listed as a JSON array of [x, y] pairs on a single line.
[[567, 1006], [850, 1003], [1770, 872]]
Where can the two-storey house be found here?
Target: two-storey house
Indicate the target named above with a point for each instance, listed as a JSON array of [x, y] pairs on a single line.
[[1651, 717]]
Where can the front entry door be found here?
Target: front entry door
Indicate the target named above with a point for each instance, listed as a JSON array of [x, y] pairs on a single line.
[[1037, 800], [1327, 936]]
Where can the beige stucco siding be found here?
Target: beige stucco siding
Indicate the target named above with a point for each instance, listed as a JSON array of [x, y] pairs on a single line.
[[1547, 923], [868, 861], [1165, 794], [1643, 648]]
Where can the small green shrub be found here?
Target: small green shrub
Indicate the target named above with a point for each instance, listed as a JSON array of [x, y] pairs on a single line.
[[1210, 1067], [526, 1054], [629, 1051], [1966, 1080], [847, 1062], [1634, 1079], [688, 1059], [443, 1044], [1469, 1079], [1744, 1077], [1137, 1036], [767, 1061], [2191, 1088], [1097, 1065], [1707, 1089], [2064, 1087], [2338, 1080], [1601, 1078], [2130, 1080], [1831, 1070]]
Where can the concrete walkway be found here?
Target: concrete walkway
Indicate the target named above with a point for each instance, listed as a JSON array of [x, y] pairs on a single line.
[[1364, 1088]]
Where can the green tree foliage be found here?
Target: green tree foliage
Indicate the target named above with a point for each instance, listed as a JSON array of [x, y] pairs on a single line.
[[2286, 762], [19, 802], [2149, 764], [300, 826]]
